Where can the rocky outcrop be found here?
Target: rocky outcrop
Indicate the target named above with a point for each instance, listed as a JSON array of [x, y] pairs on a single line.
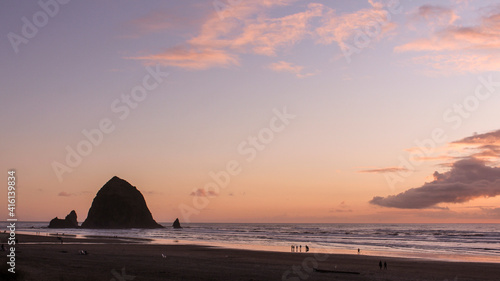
[[118, 204], [69, 222], [177, 224]]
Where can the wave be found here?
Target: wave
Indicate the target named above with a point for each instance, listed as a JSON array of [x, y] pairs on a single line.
[[412, 239]]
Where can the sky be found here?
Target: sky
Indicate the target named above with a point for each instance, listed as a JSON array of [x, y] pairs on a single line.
[[254, 111]]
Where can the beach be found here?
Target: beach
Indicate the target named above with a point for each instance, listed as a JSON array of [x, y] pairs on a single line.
[[108, 258]]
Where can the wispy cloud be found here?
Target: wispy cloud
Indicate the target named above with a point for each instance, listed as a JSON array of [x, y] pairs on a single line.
[[458, 48], [468, 179], [491, 212], [203, 193], [341, 208], [192, 58], [158, 20], [384, 170], [482, 146], [283, 66], [343, 28], [490, 138], [438, 15], [65, 194], [247, 28]]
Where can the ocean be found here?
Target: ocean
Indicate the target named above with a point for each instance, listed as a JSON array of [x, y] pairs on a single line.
[[453, 242]]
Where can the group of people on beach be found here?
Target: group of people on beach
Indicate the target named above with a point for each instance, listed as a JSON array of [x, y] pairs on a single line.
[[299, 248], [380, 265]]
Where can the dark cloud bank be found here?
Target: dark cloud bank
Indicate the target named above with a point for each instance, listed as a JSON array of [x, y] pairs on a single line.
[[468, 179]]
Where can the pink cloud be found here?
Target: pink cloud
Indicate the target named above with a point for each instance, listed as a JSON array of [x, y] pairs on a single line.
[[436, 14], [158, 20], [342, 29], [190, 58], [489, 138], [283, 66], [482, 146], [246, 28], [458, 48], [243, 29]]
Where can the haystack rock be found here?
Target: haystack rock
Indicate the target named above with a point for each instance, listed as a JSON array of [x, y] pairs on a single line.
[[177, 224], [69, 222], [118, 204]]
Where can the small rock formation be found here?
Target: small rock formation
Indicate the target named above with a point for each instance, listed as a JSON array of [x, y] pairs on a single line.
[[118, 204], [69, 222], [177, 224]]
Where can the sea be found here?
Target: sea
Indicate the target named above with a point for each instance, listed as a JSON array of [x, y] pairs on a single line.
[[451, 242]]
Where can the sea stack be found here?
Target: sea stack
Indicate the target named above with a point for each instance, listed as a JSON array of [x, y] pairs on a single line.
[[118, 204], [177, 224], [69, 222]]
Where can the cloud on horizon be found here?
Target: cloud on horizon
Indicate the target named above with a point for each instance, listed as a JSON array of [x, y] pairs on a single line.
[[203, 193], [65, 194], [341, 208], [468, 179]]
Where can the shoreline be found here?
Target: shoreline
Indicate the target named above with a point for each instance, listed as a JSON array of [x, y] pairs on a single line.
[[109, 257], [456, 257]]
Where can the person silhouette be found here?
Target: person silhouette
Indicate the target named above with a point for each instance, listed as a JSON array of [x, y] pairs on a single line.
[[307, 249], [385, 265], [300, 247], [380, 264], [293, 248], [359, 251]]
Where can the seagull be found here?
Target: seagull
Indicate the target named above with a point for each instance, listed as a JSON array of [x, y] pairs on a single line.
[[163, 256]]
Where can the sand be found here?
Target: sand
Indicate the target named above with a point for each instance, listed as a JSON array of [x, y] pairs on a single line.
[[117, 260]]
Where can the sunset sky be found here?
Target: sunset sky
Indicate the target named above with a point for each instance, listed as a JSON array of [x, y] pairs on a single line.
[[315, 111]]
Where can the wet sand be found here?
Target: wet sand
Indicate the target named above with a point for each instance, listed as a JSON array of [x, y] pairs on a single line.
[[117, 259]]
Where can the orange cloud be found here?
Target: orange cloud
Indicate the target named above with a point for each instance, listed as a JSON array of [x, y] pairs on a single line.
[[65, 194], [203, 193], [434, 158], [384, 170]]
